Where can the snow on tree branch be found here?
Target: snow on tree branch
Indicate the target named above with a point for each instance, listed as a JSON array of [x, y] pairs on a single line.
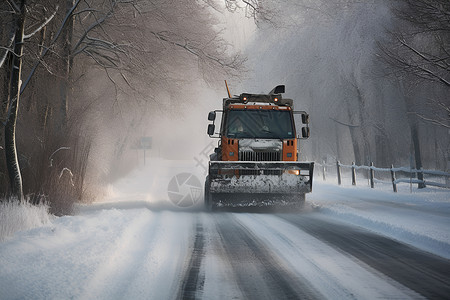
[[44, 53], [7, 50], [27, 36]]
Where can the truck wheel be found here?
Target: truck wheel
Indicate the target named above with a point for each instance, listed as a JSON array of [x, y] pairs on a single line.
[[207, 201]]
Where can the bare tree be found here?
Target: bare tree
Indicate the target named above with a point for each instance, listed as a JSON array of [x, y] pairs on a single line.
[[141, 47], [420, 47], [15, 176], [259, 11], [419, 56]]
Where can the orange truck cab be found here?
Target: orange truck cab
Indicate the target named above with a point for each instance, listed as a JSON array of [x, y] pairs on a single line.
[[256, 160]]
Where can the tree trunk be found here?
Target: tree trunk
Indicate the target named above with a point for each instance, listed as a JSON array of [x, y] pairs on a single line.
[[6, 86], [12, 162], [417, 156], [67, 60], [6, 75], [382, 146], [353, 134], [338, 144], [362, 123], [356, 148]]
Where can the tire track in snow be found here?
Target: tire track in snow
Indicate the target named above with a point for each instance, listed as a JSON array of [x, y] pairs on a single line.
[[259, 274], [192, 284], [425, 273], [221, 281], [335, 275]]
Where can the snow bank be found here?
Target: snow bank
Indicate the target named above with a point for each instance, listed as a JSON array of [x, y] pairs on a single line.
[[110, 254], [16, 217]]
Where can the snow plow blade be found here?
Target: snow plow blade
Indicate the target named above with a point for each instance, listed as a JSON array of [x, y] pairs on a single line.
[[257, 183]]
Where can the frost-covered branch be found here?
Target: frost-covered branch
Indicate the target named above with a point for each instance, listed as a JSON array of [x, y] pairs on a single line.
[[101, 44], [70, 174], [185, 44], [7, 50], [27, 36], [439, 62], [104, 52], [254, 9], [433, 121], [420, 45], [428, 16], [424, 65], [57, 150], [441, 116], [55, 38], [90, 28], [345, 124], [432, 75]]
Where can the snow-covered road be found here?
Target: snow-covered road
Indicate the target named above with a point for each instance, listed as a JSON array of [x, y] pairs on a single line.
[[348, 243]]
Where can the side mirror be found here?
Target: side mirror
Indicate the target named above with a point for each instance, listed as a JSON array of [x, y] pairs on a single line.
[[211, 128], [305, 132], [305, 118], [211, 116]]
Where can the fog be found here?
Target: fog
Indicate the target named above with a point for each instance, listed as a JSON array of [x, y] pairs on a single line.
[[174, 114], [137, 70], [328, 56]]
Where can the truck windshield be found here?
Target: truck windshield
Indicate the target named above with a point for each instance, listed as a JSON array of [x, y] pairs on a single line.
[[252, 123]]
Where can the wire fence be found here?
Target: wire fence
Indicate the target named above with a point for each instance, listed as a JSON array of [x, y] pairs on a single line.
[[392, 175]]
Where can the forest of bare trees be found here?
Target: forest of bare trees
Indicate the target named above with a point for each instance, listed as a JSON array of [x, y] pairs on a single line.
[[80, 77], [71, 69], [374, 75]]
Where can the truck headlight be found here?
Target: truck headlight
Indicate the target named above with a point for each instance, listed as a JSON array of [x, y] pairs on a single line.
[[293, 172]]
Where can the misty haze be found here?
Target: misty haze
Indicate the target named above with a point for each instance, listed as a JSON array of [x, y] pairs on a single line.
[[224, 149]]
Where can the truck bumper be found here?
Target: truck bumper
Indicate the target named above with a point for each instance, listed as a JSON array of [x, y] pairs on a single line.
[[258, 182]]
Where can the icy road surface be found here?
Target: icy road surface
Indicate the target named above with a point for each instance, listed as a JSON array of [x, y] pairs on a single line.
[[348, 243]]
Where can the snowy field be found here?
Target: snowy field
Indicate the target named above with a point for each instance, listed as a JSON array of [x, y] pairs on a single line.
[[142, 243]]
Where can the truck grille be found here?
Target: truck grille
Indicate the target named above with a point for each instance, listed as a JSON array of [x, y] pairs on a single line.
[[259, 156]]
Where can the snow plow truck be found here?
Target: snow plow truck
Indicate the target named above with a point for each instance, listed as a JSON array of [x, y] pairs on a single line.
[[256, 161]]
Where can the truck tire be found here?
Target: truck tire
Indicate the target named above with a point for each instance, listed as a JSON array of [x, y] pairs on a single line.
[[207, 197]]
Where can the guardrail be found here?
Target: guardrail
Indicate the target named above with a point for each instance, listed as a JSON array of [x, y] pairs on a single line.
[[393, 175]]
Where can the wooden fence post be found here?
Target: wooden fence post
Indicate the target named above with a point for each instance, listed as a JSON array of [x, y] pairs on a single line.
[[338, 172], [353, 174], [323, 171], [420, 177], [371, 172], [394, 185]]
